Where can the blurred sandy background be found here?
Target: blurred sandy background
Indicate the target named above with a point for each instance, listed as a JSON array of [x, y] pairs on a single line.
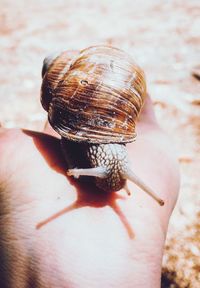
[[164, 38]]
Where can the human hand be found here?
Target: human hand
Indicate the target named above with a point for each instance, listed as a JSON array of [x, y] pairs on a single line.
[[56, 232]]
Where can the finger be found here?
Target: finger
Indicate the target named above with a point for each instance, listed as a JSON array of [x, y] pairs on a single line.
[[49, 130], [147, 114], [146, 155]]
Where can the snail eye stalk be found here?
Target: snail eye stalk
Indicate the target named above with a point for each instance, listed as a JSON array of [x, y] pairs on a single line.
[[137, 181]]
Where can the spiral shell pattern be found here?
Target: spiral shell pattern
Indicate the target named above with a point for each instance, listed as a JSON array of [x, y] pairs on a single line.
[[94, 95]]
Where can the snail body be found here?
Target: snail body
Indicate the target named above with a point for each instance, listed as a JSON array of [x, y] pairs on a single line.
[[93, 98]]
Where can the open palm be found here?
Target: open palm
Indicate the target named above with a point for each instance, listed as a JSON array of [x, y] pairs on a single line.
[[58, 232]]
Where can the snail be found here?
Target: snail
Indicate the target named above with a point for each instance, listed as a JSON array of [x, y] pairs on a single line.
[[93, 98]]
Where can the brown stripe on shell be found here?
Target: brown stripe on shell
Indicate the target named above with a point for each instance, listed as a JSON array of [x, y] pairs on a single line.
[[98, 98], [57, 69]]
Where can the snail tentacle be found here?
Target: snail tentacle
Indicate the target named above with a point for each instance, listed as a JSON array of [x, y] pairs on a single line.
[[99, 172], [136, 180]]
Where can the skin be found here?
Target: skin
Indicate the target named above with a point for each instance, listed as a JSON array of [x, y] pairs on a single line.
[[96, 239]]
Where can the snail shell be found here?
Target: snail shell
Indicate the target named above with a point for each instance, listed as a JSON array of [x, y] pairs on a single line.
[[95, 96]]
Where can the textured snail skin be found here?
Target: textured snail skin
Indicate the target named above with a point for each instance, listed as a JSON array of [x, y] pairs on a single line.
[[109, 167], [93, 98], [107, 162], [113, 157]]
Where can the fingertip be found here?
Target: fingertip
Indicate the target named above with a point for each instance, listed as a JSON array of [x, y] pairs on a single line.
[[49, 130], [147, 113]]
